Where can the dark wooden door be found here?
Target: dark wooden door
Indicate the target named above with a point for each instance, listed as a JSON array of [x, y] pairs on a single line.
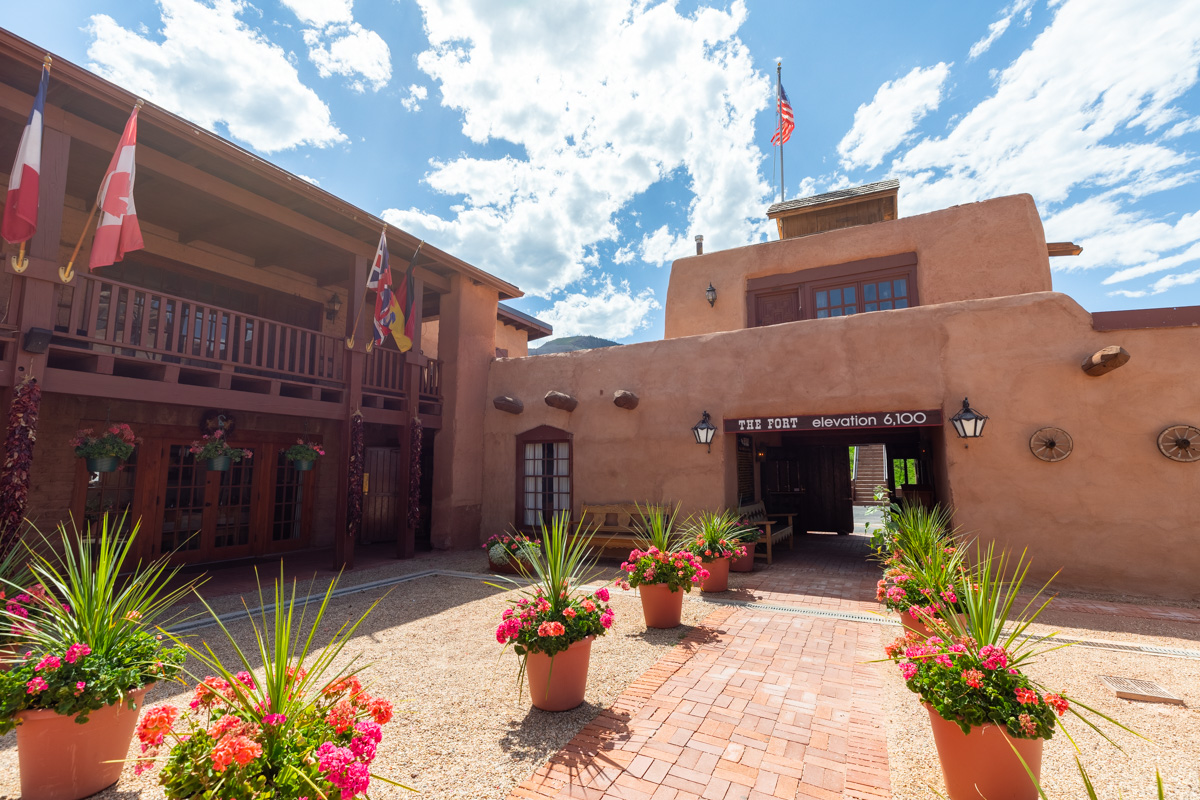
[[207, 515], [384, 507], [777, 307], [826, 491]]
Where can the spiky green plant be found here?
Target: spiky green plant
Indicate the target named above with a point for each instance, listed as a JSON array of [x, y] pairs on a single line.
[[922, 531], [287, 705], [659, 526], [105, 594]]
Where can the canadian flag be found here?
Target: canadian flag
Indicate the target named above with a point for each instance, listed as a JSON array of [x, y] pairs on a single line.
[[117, 232], [21, 203]]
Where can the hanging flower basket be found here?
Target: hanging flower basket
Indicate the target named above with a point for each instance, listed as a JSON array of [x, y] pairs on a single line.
[[303, 455], [216, 453], [104, 453], [103, 464]]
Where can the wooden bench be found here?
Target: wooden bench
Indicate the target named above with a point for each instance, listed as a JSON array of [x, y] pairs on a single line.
[[613, 525], [773, 532]]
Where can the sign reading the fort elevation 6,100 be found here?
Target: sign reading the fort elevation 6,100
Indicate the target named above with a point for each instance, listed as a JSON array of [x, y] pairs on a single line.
[[838, 422]]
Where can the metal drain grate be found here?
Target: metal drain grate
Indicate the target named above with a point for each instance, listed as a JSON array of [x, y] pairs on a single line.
[[1137, 689]]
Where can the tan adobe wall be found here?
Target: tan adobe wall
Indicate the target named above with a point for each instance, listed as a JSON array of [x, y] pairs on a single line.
[[994, 248], [1115, 516], [514, 340]]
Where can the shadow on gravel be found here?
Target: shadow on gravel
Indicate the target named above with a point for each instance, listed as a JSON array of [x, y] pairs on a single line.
[[585, 757]]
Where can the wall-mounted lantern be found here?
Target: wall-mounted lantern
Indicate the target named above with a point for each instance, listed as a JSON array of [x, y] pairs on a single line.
[[332, 306], [968, 423], [704, 430], [710, 294]]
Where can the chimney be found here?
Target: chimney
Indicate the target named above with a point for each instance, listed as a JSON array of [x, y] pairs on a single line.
[[699, 245]]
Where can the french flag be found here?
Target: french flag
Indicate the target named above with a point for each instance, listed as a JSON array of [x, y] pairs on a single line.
[[118, 232], [21, 204]]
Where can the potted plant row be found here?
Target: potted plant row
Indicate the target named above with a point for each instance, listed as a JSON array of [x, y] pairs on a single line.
[[87, 655], [216, 452], [504, 551], [555, 619], [105, 452]]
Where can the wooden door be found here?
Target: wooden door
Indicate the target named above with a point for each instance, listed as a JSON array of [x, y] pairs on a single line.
[[207, 515], [384, 506], [777, 307], [827, 495]]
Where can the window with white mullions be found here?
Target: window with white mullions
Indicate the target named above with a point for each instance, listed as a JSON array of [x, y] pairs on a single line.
[[544, 475]]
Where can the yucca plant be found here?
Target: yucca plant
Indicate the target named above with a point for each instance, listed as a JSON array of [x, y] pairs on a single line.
[[659, 527], [921, 532], [302, 725], [552, 613], [85, 622]]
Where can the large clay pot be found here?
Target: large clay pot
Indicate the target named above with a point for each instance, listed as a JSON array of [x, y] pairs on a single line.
[[912, 623], [63, 760], [507, 568], [661, 607], [981, 764], [743, 563], [559, 683], [718, 575]]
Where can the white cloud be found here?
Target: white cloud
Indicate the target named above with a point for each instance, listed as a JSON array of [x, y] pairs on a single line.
[[590, 92], [199, 70], [887, 121], [610, 312], [623, 256], [416, 94], [320, 13], [661, 247], [338, 45], [997, 28], [313, 181]]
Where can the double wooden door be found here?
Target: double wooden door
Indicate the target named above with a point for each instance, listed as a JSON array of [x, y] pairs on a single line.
[[813, 482], [206, 515]]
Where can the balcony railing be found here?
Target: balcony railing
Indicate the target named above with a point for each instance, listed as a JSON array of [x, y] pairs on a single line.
[[97, 316]]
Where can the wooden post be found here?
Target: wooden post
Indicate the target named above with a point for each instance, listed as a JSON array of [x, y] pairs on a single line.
[[343, 551], [406, 537]]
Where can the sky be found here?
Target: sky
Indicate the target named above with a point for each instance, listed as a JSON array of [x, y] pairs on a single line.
[[576, 147]]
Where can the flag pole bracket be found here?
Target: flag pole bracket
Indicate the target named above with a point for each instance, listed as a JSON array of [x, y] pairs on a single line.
[[20, 262]]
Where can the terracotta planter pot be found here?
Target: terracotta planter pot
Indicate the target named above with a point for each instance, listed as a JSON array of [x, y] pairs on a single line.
[[718, 575], [981, 764], [910, 622], [507, 568], [62, 760], [559, 683], [744, 563], [661, 607]]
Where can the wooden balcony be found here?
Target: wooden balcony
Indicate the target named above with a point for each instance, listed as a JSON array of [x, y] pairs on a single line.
[[106, 330]]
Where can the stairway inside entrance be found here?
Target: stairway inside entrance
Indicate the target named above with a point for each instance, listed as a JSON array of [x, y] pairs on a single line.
[[870, 471]]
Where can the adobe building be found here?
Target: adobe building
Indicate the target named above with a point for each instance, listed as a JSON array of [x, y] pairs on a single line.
[[862, 328], [239, 311]]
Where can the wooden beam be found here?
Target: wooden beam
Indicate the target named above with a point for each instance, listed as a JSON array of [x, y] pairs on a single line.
[[561, 401], [1105, 361], [1063, 249]]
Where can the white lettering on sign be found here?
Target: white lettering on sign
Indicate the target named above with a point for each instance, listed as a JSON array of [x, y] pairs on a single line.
[[876, 419]]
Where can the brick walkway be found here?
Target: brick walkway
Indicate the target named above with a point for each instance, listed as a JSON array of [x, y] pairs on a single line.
[[752, 705]]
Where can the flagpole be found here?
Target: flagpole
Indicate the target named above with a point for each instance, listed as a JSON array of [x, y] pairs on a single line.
[[68, 274], [779, 116], [19, 262]]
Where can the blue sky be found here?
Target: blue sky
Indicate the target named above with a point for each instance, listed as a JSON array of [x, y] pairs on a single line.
[[575, 147]]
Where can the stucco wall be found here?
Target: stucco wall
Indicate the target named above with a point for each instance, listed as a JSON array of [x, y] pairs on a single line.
[[1115, 516], [514, 340], [990, 249], [429, 337]]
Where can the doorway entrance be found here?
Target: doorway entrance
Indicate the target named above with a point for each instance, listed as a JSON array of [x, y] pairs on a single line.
[[813, 474]]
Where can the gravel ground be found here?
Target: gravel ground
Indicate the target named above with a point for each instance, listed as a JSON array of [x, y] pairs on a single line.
[[461, 730], [1174, 731]]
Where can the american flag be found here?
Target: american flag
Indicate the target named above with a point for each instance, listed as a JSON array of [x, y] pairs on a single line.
[[786, 123]]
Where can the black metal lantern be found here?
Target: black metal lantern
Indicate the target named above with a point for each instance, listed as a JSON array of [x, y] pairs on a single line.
[[710, 294], [968, 423], [332, 306], [704, 430]]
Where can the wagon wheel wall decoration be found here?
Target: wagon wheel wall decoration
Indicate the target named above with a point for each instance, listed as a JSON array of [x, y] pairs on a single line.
[[1180, 443], [1051, 444]]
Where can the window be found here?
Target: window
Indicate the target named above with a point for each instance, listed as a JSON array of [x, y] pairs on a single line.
[[287, 518], [111, 493], [543, 475], [839, 290], [875, 294]]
